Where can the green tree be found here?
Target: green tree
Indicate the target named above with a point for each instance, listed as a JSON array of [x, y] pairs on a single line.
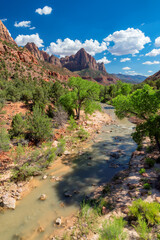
[[83, 95], [144, 104], [4, 140], [17, 126]]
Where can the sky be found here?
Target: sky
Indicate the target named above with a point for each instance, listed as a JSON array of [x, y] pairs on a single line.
[[124, 34]]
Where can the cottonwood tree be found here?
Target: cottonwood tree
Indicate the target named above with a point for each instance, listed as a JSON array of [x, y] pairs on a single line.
[[83, 94], [143, 103]]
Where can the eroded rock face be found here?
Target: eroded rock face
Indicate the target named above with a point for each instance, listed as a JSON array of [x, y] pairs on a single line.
[[4, 33], [43, 56], [81, 60]]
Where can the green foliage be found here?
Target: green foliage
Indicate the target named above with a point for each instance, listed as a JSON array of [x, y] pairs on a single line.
[[142, 229], [57, 91], [82, 134], [113, 230], [72, 124], [18, 126], [39, 125], [150, 212], [150, 162], [83, 95], [4, 140], [147, 186], [142, 170]]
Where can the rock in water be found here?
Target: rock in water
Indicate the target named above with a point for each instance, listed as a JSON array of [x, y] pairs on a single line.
[[43, 197], [58, 221]]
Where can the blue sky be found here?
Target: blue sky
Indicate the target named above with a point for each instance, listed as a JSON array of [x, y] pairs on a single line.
[[124, 34]]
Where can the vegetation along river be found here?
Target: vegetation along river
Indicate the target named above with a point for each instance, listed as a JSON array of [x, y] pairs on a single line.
[[94, 166]]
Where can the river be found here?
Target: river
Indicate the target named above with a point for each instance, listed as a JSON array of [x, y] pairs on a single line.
[[80, 176]]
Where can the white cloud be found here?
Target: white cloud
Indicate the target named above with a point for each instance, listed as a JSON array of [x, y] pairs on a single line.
[[153, 53], [46, 10], [151, 63], [129, 41], [126, 68], [150, 71], [104, 60], [114, 59], [23, 24], [157, 42], [22, 40], [69, 47], [132, 73], [125, 59], [32, 28], [3, 19]]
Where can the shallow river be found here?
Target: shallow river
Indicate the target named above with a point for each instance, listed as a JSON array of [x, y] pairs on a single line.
[[93, 167]]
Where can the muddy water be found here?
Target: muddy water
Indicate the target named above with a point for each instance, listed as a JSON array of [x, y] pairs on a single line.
[[80, 176]]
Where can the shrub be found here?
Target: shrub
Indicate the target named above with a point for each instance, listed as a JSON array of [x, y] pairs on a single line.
[[61, 147], [147, 186], [72, 124], [142, 170], [113, 230], [142, 229], [82, 134], [150, 162], [60, 116], [39, 125], [4, 140], [17, 126], [150, 212]]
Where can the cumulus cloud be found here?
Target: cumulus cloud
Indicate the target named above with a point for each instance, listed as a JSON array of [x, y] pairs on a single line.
[[126, 68], [151, 63], [129, 41], [69, 47], [23, 24], [22, 40], [154, 53], [4, 19], [46, 10], [114, 59], [125, 59], [132, 73], [104, 60], [150, 71], [157, 42]]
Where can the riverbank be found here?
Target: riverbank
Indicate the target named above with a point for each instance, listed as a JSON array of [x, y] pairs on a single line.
[[11, 192]]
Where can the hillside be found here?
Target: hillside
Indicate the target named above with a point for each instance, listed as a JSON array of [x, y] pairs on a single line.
[[130, 78]]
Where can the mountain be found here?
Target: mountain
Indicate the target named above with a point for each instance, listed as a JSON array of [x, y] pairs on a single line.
[[4, 34], [153, 77], [135, 79], [42, 55], [86, 66]]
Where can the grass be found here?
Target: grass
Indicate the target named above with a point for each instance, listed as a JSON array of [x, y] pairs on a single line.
[[113, 230]]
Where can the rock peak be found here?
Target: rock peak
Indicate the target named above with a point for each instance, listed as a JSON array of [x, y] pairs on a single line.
[[4, 34]]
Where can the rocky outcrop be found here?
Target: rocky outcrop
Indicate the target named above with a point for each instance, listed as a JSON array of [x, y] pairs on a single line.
[[81, 60], [4, 34], [42, 55]]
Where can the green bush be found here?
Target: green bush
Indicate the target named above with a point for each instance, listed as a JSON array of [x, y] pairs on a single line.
[[113, 230], [39, 125], [150, 162], [82, 134], [142, 170], [18, 126], [4, 140], [61, 147], [147, 186], [142, 229], [72, 124], [150, 212]]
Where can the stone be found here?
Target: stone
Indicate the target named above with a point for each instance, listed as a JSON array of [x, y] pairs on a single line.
[[157, 199], [8, 202], [67, 194], [43, 197], [58, 221], [44, 177]]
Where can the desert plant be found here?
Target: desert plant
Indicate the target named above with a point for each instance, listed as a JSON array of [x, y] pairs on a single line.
[[113, 230], [147, 186], [142, 229], [142, 170], [17, 126], [150, 162], [4, 140], [82, 134]]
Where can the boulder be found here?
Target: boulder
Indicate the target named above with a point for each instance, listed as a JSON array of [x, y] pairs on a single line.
[[43, 197], [9, 202], [58, 221]]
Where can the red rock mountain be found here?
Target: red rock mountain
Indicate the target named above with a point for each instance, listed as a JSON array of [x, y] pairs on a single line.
[[81, 60], [43, 56], [4, 34]]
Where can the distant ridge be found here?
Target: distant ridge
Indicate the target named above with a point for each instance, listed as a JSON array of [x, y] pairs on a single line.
[[130, 78]]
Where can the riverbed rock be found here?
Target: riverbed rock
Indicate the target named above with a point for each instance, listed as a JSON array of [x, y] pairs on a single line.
[[58, 221], [43, 197], [68, 194], [44, 177], [9, 202]]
